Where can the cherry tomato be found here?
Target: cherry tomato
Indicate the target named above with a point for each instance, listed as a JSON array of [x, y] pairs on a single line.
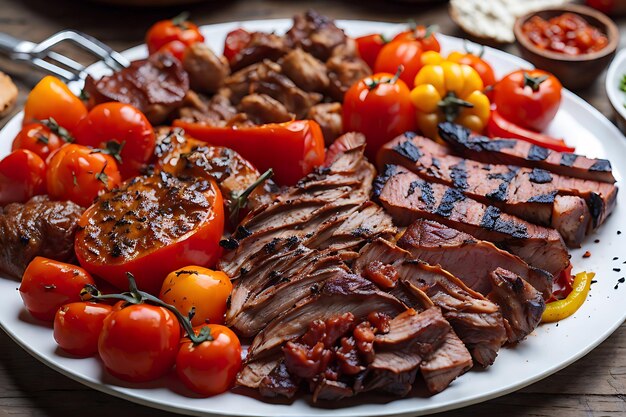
[[115, 126], [48, 284], [22, 176], [177, 29], [201, 289], [52, 99], [401, 53], [235, 41], [176, 48], [369, 47], [481, 66], [39, 138], [80, 174], [210, 368], [378, 106], [77, 327], [139, 342], [528, 98], [422, 34]]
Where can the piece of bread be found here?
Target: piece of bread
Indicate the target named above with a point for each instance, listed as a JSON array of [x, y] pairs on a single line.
[[493, 20], [8, 94]]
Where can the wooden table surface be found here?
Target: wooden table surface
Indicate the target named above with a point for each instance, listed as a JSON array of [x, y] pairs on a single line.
[[593, 386]]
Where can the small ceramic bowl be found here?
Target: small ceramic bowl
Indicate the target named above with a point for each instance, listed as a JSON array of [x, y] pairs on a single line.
[[574, 72], [616, 73]]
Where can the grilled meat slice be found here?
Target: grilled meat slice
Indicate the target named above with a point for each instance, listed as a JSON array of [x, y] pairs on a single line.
[[260, 46], [521, 304], [406, 197], [278, 382], [520, 153], [156, 86], [328, 116], [476, 320], [470, 260], [305, 71], [216, 111], [206, 70], [316, 34], [39, 227], [343, 294], [262, 109], [330, 390], [445, 364], [253, 373]]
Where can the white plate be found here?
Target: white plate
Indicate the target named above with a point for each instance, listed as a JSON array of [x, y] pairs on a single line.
[[549, 349], [614, 76]]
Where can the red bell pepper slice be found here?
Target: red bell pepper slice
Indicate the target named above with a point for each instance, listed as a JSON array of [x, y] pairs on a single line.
[[499, 127], [291, 149]]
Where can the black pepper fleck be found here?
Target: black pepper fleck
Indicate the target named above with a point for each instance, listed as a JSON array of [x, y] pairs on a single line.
[[596, 241], [616, 269]]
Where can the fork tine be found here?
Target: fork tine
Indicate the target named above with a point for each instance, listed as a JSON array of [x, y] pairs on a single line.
[[68, 62], [56, 70]]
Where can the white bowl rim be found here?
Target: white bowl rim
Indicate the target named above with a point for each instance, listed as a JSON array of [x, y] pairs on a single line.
[[616, 97]]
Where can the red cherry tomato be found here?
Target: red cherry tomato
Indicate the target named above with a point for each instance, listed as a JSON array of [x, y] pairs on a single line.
[[401, 53], [482, 67], [528, 98], [201, 289], [77, 327], [210, 367], [177, 29], [116, 125], [48, 284], [80, 174], [422, 34], [176, 48], [235, 41], [369, 47], [39, 138], [52, 99], [139, 342], [22, 176], [378, 106]]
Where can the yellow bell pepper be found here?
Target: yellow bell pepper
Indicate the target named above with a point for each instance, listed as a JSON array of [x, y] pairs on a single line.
[[558, 310], [448, 91]]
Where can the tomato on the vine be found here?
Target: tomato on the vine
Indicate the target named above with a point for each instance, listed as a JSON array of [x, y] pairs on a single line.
[[176, 29], [528, 98], [482, 67], [121, 130], [176, 48], [77, 327], [22, 176], [41, 138], [235, 41], [199, 289], [369, 47], [423, 34], [47, 285], [80, 174], [210, 367], [139, 342], [406, 54], [52, 99], [379, 106]]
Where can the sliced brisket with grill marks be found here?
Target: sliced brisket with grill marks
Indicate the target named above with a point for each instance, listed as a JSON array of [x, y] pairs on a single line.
[[520, 153], [469, 259], [406, 197]]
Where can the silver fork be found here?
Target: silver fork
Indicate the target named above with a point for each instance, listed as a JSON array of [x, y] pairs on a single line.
[[42, 56]]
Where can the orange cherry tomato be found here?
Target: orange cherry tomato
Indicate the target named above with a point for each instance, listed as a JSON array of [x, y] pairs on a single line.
[[80, 174], [176, 29], [139, 342], [77, 327], [210, 368], [422, 34], [380, 107], [22, 176], [482, 67], [199, 289], [118, 126], [39, 138], [400, 53], [48, 284], [369, 47], [52, 99], [235, 41], [528, 98]]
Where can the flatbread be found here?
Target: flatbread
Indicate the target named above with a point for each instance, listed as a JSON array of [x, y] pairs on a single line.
[[8, 94]]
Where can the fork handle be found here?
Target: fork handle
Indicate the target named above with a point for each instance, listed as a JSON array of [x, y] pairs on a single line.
[[8, 44]]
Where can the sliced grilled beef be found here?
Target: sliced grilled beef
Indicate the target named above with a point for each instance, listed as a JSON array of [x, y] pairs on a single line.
[[476, 320], [260, 46], [520, 153], [445, 364], [521, 304], [206, 70], [469, 259], [328, 116], [39, 227], [534, 195], [407, 198], [253, 373], [316, 34], [305, 71]]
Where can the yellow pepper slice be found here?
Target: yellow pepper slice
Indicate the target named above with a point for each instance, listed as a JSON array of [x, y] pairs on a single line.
[[558, 310]]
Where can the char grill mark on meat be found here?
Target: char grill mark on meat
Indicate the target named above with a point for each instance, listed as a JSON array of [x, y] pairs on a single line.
[[520, 153], [539, 246], [469, 259], [476, 320], [521, 304], [39, 227], [534, 194]]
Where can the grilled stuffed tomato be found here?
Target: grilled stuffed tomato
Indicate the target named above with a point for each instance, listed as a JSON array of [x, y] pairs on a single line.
[[149, 227]]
